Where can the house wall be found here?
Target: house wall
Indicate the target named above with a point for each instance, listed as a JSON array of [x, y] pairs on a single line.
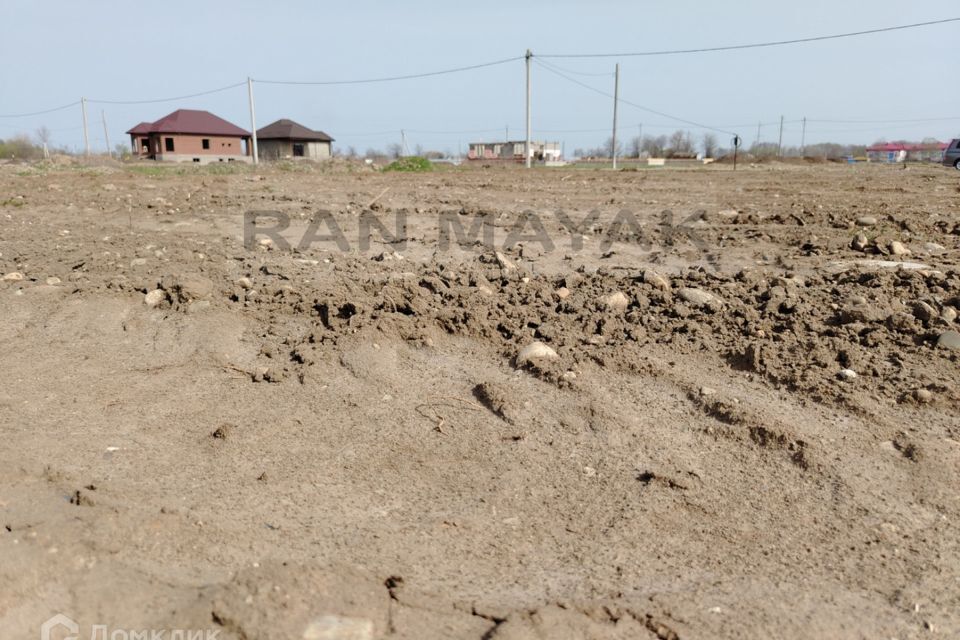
[[189, 148], [283, 149]]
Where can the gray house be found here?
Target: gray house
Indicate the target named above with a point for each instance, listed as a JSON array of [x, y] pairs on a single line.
[[286, 139]]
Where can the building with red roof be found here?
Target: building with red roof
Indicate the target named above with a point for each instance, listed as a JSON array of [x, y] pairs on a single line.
[[189, 135], [906, 151]]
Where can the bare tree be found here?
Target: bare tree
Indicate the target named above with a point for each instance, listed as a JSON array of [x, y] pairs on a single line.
[[608, 148], [680, 143], [709, 145], [43, 135], [654, 146], [636, 146], [394, 150]]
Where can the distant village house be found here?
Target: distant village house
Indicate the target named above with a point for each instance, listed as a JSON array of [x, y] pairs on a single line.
[[287, 139], [188, 135], [514, 151], [906, 152]]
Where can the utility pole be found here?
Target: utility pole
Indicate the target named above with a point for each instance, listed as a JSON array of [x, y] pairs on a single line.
[[757, 143], [403, 143], [106, 135], [780, 140], [253, 121], [639, 140], [616, 99], [506, 133], [527, 149], [803, 139], [86, 135]]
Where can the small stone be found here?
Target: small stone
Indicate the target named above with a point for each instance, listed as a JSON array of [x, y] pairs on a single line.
[[700, 298], [563, 293], [190, 288], [244, 283], [707, 391], [536, 350], [53, 280], [569, 376], [866, 221], [923, 395], [155, 297], [948, 314], [848, 374], [330, 627], [590, 472], [653, 278], [13, 276], [949, 340], [505, 263], [933, 247], [616, 301], [897, 248], [138, 262], [859, 242]]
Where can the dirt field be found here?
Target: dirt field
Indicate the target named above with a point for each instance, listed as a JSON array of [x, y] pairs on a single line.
[[741, 420]]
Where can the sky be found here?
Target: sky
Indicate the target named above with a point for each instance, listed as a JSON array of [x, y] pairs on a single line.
[[57, 51]]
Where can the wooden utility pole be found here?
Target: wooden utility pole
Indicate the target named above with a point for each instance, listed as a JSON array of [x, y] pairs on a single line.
[[86, 135], [780, 140], [757, 143], [253, 122], [106, 134], [616, 99], [527, 148]]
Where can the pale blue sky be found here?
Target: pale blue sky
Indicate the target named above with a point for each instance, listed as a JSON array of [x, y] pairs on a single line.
[[54, 52]]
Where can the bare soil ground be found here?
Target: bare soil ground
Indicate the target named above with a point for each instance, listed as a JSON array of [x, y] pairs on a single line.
[[749, 424]]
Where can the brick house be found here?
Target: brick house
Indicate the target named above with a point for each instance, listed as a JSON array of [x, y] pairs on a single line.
[[189, 135], [288, 139]]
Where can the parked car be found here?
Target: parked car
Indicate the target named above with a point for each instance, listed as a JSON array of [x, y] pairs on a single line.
[[951, 155]]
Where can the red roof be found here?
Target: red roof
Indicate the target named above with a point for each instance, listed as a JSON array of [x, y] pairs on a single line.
[[190, 121], [907, 146], [143, 127]]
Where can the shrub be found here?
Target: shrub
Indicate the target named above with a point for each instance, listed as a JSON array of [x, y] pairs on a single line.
[[410, 163]]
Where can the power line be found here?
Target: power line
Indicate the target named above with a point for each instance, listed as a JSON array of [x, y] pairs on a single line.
[[393, 78], [699, 125], [173, 99], [884, 121], [39, 113], [754, 45]]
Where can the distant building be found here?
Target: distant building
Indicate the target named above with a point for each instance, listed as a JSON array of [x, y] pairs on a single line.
[[906, 151], [188, 135], [288, 139], [513, 151]]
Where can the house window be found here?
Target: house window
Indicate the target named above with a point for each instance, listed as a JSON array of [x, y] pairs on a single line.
[[206, 143], [169, 143], [297, 150]]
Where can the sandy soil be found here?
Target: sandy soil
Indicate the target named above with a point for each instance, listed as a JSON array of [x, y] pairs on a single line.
[[746, 423]]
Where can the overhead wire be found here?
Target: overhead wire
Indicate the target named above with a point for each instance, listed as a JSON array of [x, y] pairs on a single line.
[[172, 99], [662, 114], [752, 45], [411, 76]]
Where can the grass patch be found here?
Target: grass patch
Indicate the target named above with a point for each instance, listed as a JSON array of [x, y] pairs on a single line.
[[413, 164]]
